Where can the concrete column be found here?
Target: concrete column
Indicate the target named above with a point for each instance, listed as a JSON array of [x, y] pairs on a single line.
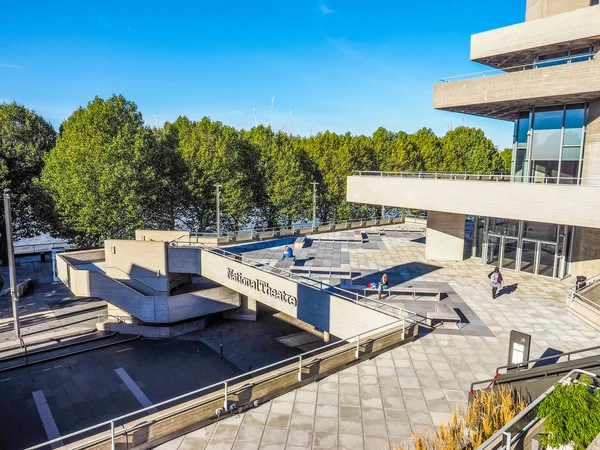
[[445, 236], [246, 311], [585, 254], [591, 152], [326, 337]]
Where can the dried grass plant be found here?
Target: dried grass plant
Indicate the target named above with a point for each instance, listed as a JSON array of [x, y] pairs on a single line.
[[489, 411]]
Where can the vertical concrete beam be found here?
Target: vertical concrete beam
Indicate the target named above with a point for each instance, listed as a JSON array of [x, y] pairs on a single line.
[[585, 255], [246, 311], [591, 151], [445, 236]]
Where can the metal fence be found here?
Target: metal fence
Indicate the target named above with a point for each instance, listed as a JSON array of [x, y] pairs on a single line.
[[220, 389]]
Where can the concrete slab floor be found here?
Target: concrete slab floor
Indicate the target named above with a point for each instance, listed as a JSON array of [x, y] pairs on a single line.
[[378, 402]]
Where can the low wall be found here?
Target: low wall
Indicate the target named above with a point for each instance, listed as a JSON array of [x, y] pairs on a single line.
[[161, 235], [175, 421]]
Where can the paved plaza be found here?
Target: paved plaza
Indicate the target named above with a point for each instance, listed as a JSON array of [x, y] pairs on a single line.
[[377, 402]]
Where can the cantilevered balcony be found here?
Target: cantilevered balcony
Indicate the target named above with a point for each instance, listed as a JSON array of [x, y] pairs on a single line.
[[500, 95], [521, 43], [483, 195]]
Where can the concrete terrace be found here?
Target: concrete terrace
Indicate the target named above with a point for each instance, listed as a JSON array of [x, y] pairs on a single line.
[[376, 403]]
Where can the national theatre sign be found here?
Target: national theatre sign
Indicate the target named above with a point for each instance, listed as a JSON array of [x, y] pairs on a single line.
[[261, 286]]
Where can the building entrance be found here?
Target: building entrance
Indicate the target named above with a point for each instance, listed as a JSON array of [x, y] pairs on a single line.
[[530, 247]]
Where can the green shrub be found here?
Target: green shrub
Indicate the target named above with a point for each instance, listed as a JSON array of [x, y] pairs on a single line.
[[572, 413]]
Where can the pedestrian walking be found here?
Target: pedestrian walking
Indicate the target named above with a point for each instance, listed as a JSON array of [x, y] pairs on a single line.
[[496, 281]]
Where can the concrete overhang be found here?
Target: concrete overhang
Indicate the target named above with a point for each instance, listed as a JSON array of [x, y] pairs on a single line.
[[560, 204], [519, 44], [501, 96]]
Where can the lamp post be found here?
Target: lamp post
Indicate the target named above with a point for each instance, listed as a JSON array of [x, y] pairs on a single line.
[[11, 263], [314, 221], [218, 186]]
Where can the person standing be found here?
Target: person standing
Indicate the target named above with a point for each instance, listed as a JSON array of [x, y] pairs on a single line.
[[496, 281]]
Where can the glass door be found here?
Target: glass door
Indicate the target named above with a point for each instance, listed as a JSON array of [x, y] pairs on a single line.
[[509, 253], [493, 250], [528, 256], [547, 259]]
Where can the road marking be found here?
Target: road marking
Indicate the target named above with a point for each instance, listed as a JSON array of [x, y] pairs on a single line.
[[135, 389], [47, 418], [125, 349]]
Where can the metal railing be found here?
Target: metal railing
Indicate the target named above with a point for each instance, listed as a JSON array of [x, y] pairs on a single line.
[[533, 65], [316, 284], [291, 230], [525, 365], [516, 428], [492, 176], [222, 389], [40, 248]]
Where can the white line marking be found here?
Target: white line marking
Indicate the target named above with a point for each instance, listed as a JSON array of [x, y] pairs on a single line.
[[47, 418], [135, 389], [125, 349]]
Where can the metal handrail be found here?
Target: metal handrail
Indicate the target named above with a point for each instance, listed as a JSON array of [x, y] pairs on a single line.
[[508, 438], [302, 362], [294, 228], [519, 366], [532, 65], [492, 176], [289, 274]]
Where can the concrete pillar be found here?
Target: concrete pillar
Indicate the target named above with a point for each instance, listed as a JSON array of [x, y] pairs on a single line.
[[326, 337], [445, 236], [585, 254], [246, 311], [591, 154]]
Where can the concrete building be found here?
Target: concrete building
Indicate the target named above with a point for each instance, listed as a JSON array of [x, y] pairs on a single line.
[[543, 218]]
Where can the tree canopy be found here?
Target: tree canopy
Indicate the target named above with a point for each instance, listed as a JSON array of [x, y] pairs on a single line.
[[109, 173], [25, 137]]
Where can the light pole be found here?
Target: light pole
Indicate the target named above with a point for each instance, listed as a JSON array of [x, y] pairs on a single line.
[[11, 262], [218, 186], [314, 222]]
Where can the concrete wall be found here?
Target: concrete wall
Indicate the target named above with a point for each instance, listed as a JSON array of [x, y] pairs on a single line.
[[562, 204], [585, 256], [546, 34], [160, 235], [142, 265], [537, 9], [445, 238], [591, 156], [501, 96], [184, 260], [340, 317], [147, 308]]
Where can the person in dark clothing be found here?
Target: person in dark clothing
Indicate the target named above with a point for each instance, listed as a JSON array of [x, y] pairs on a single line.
[[496, 281]]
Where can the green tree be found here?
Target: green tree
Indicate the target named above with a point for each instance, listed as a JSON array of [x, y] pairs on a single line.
[[25, 137], [102, 175], [506, 159], [214, 153], [429, 147], [467, 149], [282, 182]]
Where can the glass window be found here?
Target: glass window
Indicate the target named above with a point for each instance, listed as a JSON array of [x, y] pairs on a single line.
[[522, 128], [553, 59], [569, 172], [544, 171], [547, 130], [574, 121], [519, 163], [571, 153], [540, 231], [504, 226]]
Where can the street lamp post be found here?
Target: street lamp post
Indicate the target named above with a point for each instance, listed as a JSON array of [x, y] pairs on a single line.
[[314, 221], [218, 186], [11, 263]]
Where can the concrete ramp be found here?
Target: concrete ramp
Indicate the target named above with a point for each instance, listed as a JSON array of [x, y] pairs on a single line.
[[341, 313]]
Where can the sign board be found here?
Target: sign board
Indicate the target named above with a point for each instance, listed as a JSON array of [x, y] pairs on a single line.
[[518, 348], [54, 268]]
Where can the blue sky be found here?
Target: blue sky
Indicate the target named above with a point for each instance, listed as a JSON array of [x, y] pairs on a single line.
[[342, 65]]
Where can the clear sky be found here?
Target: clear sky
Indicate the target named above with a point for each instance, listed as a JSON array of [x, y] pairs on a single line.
[[342, 65]]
